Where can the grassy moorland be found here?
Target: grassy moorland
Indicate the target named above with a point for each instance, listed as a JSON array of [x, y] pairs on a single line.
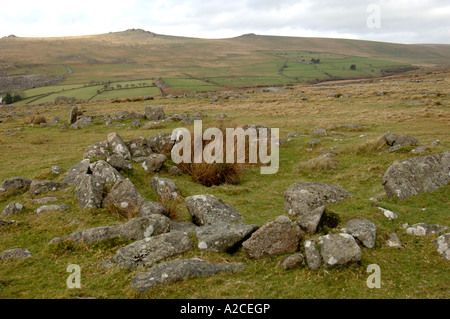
[[414, 271]]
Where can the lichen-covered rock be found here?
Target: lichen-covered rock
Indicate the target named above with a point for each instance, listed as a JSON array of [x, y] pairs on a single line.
[[207, 210], [162, 143], [423, 229], [146, 252], [118, 162], [417, 175], [277, 237], [105, 171], [15, 183], [98, 150], [393, 140], [154, 113], [178, 270], [223, 237], [135, 229], [309, 221], [52, 208], [150, 208], [139, 147], [393, 241], [118, 146], [165, 188], [339, 250], [40, 187], [89, 191], [78, 169], [363, 230], [443, 245], [292, 261], [303, 197], [12, 208], [154, 162], [15, 253], [312, 253], [124, 197]]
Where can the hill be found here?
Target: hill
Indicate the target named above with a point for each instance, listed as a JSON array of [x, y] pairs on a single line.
[[208, 64]]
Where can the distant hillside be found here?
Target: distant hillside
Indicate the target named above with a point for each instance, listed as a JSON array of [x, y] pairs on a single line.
[[258, 60]]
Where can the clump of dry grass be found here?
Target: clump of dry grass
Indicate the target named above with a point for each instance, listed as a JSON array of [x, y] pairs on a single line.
[[318, 164], [371, 146], [170, 204], [36, 119], [210, 174]]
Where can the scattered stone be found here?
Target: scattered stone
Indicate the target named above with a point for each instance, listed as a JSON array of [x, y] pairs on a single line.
[[152, 125], [97, 151], [363, 230], [82, 122], [186, 227], [294, 135], [423, 229], [146, 252], [15, 253], [139, 147], [175, 171], [135, 229], [40, 187], [339, 250], [388, 214], [63, 127], [419, 150], [277, 237], [312, 253], [394, 241], [301, 198], [392, 149], [52, 208], [151, 208], [437, 142], [103, 170], [417, 175], [207, 209], [136, 123], [161, 143], [315, 142], [393, 140], [118, 146], [178, 270], [12, 208], [165, 188], [223, 237], [8, 222], [56, 169], [76, 170], [319, 132], [154, 162], [291, 262], [118, 162], [73, 115], [310, 220], [89, 191], [124, 197], [44, 200], [154, 113], [15, 183], [443, 245]]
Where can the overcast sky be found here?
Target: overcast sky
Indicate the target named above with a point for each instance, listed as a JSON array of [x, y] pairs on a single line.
[[402, 21]]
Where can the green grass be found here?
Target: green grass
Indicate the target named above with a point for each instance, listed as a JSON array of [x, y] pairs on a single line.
[[415, 271]]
